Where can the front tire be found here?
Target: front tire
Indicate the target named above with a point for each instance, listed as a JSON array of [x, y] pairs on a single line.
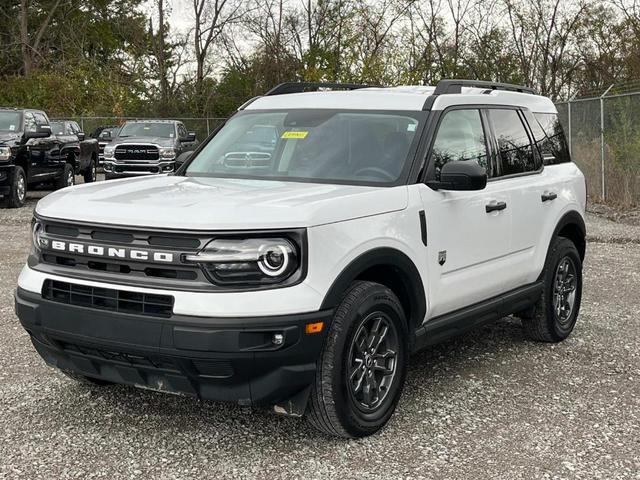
[[18, 193], [554, 316], [67, 179], [91, 173], [363, 364]]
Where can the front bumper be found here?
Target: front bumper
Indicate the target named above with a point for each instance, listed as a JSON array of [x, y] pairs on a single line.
[[226, 359], [128, 169]]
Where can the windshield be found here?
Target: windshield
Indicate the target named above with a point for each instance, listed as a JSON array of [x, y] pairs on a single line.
[[326, 146], [57, 128], [147, 129], [10, 121]]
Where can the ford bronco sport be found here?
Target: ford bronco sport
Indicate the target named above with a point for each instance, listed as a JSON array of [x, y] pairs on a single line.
[[310, 245]]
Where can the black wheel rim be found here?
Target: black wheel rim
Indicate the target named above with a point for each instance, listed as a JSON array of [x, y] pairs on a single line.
[[373, 361], [94, 172], [70, 178], [564, 290]]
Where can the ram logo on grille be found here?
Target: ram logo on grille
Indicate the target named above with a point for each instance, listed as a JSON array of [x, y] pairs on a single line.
[[112, 252]]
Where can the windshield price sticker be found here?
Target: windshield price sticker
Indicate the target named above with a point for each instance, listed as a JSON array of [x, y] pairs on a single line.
[[294, 134]]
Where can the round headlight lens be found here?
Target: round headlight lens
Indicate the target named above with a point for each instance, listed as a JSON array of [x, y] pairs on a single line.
[[36, 236], [274, 259]]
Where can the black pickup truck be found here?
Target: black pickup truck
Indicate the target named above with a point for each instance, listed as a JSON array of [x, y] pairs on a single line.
[[30, 154], [74, 143]]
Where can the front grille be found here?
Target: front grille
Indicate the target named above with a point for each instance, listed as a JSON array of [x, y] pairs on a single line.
[[136, 152], [247, 160], [108, 299], [146, 273]]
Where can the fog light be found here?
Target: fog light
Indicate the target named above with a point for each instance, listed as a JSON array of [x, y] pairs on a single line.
[[278, 339]]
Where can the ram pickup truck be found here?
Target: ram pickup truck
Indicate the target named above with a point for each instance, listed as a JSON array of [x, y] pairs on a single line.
[[75, 144], [146, 147], [30, 155], [371, 223]]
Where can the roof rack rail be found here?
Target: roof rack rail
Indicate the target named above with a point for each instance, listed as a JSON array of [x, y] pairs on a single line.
[[298, 87], [455, 86]]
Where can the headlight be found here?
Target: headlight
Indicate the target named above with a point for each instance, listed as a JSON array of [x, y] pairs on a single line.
[[168, 152], [5, 154], [252, 261], [37, 240], [109, 150]]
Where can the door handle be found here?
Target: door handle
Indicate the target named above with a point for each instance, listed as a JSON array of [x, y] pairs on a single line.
[[548, 196], [493, 206]]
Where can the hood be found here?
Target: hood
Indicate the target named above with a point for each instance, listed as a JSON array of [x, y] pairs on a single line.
[[218, 204], [9, 138], [162, 141]]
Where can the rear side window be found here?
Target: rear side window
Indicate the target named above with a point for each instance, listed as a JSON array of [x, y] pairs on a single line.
[[460, 137], [515, 152], [550, 139], [41, 119]]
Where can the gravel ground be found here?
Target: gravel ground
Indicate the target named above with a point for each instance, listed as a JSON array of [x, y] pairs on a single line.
[[487, 405]]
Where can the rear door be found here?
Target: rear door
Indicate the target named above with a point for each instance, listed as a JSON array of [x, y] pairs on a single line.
[[520, 175], [469, 232]]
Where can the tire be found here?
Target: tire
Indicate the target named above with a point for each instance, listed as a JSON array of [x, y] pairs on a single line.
[[337, 406], [91, 173], [85, 380], [18, 193], [554, 315], [67, 178]]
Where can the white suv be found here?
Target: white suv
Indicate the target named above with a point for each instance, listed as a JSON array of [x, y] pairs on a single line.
[[310, 245]]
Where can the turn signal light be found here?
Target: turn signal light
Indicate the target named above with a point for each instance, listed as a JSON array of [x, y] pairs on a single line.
[[313, 327]]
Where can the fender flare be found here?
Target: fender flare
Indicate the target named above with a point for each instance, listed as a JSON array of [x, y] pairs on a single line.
[[572, 217], [382, 257]]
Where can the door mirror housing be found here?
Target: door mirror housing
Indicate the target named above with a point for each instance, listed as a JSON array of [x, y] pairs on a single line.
[[105, 135], [81, 136], [41, 131], [191, 137], [461, 175]]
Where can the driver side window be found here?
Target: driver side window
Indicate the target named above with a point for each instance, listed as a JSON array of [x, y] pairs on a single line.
[[29, 122], [460, 137]]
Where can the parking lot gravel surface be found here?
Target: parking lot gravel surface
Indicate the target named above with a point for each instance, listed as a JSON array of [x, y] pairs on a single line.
[[490, 404]]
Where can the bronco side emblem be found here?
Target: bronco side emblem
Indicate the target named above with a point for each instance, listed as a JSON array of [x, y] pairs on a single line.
[[442, 257]]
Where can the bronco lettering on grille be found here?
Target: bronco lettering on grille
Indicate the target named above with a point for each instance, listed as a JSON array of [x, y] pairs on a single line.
[[111, 252]]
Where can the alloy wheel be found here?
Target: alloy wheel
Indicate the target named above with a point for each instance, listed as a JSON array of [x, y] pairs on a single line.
[[373, 361], [564, 289], [21, 188]]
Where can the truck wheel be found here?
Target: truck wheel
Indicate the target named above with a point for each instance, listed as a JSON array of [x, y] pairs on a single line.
[[18, 192], [86, 380], [67, 179], [363, 364], [553, 317], [91, 173]]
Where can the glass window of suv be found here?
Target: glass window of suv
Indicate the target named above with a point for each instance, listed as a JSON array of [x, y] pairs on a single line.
[[515, 152], [460, 137], [30, 122], [182, 131], [550, 138]]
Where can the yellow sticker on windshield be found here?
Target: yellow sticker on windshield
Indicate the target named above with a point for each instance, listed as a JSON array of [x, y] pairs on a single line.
[[294, 134]]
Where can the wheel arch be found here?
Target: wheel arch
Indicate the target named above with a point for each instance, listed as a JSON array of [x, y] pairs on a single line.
[[389, 267], [572, 227]]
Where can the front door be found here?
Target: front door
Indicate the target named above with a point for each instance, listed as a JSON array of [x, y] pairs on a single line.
[[469, 232]]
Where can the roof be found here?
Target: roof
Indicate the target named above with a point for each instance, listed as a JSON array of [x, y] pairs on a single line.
[[409, 98], [152, 120]]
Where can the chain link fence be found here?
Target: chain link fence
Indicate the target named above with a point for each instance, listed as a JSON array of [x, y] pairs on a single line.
[[603, 134], [604, 138]]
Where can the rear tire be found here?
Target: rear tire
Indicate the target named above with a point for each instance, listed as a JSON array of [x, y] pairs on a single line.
[[362, 368], [67, 179], [554, 316], [85, 380], [18, 193], [91, 173]]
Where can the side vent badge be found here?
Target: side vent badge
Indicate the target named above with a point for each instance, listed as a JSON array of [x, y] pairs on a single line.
[[442, 257]]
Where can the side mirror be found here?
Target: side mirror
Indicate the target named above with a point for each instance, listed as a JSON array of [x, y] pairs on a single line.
[[105, 135], [191, 137], [461, 175], [41, 131], [182, 159], [81, 136]]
